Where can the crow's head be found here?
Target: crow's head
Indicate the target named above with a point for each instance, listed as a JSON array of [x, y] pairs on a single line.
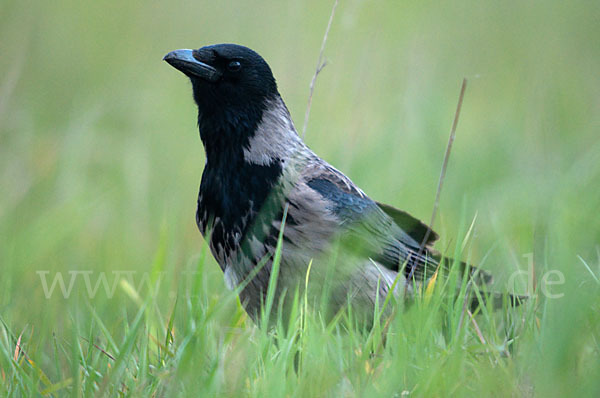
[[230, 82]]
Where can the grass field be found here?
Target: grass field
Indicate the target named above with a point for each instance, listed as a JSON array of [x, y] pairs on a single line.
[[100, 163]]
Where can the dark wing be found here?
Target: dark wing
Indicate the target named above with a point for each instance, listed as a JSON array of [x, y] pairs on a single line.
[[416, 228], [367, 229], [381, 232]]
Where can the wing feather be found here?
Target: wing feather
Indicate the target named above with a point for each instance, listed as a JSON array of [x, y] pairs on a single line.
[[378, 231]]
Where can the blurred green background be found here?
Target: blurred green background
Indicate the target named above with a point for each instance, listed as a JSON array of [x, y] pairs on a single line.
[[100, 158]]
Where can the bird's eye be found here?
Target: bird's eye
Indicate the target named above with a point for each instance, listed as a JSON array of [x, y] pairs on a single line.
[[234, 66]]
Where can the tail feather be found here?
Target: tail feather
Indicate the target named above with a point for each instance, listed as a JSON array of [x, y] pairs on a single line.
[[477, 275], [483, 279], [498, 300]]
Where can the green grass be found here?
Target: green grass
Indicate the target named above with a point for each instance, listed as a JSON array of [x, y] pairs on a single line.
[[100, 162]]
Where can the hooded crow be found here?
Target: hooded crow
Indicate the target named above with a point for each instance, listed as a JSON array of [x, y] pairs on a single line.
[[260, 178]]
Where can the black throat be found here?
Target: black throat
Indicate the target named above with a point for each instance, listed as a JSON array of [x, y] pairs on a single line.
[[232, 191]]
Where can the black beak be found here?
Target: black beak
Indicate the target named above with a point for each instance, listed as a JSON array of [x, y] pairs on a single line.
[[184, 61]]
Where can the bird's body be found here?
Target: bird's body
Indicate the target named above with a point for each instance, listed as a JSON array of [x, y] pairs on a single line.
[[242, 202], [259, 170]]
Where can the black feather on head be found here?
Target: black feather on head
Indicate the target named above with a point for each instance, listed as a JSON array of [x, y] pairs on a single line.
[[246, 77], [233, 86]]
